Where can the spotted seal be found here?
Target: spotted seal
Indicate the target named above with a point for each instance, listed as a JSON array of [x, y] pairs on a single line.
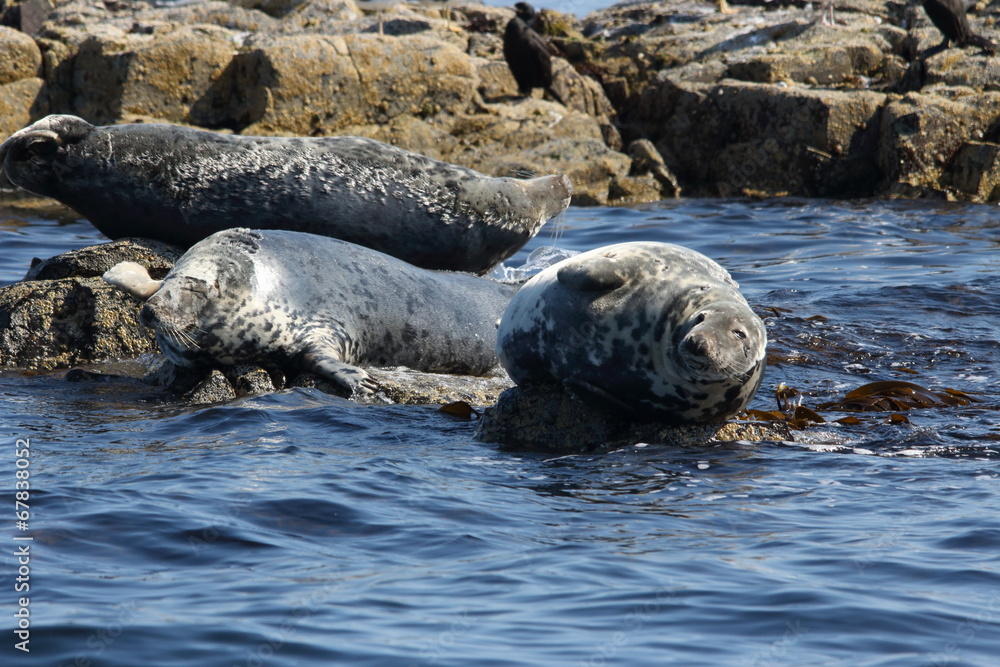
[[179, 185], [300, 302], [650, 329]]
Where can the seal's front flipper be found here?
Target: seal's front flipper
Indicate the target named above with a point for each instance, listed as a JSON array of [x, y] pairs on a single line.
[[132, 278], [323, 361]]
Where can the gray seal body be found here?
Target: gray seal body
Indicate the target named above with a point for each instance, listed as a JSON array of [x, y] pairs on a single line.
[[179, 185], [652, 330], [299, 302]]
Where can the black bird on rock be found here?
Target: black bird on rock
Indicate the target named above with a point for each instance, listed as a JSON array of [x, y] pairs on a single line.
[[527, 53], [949, 17]]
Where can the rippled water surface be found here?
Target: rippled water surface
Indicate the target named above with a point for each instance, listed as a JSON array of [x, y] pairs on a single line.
[[301, 529]]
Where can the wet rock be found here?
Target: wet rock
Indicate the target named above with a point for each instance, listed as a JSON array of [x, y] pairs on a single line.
[[549, 420], [922, 135], [739, 136], [90, 262], [48, 324], [20, 57], [409, 387], [975, 171], [63, 314], [647, 160], [215, 388], [251, 380]]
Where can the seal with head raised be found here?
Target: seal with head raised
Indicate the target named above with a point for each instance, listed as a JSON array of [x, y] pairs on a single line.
[[298, 302], [179, 185], [653, 330]]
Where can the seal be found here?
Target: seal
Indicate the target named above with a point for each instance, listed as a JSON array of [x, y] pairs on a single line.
[[298, 302], [180, 185], [651, 330]]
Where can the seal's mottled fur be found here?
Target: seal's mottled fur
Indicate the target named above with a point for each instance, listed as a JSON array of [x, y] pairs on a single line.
[[179, 185], [651, 329]]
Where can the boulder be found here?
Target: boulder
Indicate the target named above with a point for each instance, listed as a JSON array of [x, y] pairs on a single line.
[[49, 324], [163, 77], [310, 85], [921, 136], [21, 103], [547, 419], [20, 57], [91, 262]]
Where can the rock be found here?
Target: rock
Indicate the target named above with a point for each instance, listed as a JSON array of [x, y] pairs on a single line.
[[310, 85], [162, 77], [831, 65], [20, 57], [737, 136], [93, 261], [249, 380], [921, 137], [215, 388], [496, 83], [647, 160], [545, 418], [409, 387], [590, 165], [28, 16], [21, 103], [975, 171], [63, 314], [48, 324]]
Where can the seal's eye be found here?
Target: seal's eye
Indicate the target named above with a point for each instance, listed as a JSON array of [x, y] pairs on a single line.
[[739, 333], [699, 318]]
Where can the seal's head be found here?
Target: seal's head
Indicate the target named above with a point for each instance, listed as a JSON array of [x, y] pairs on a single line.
[[38, 158], [723, 341], [195, 311]]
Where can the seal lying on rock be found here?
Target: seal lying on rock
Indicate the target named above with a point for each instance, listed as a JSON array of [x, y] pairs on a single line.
[[179, 185], [299, 302], [653, 330]]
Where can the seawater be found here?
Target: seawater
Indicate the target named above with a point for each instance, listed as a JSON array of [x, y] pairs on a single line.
[[302, 529]]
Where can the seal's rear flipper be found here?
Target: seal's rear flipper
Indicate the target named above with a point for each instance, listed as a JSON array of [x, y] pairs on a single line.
[[133, 279], [323, 362]]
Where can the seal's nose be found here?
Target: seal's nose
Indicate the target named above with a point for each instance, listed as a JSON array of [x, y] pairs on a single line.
[[147, 316]]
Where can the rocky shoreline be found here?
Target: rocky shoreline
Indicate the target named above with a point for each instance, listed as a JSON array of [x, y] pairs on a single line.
[[759, 101]]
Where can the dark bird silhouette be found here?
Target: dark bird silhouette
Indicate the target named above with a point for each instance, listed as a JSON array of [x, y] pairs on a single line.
[[527, 53], [948, 16]]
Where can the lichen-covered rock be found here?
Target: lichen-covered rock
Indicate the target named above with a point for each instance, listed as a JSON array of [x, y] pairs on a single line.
[[307, 85], [921, 137], [48, 324], [162, 77], [590, 165], [738, 136], [548, 419], [21, 103], [20, 57], [975, 171], [90, 262]]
